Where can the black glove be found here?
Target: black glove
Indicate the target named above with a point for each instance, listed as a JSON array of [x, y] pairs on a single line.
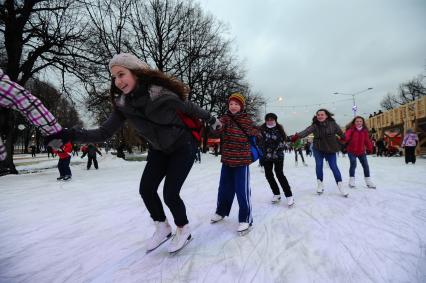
[[57, 140], [215, 123]]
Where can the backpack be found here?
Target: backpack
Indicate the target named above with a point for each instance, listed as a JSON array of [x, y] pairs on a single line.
[[193, 124]]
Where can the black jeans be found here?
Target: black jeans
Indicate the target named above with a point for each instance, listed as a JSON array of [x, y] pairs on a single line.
[[298, 151], [278, 168], [89, 162], [174, 167], [410, 154], [64, 167]]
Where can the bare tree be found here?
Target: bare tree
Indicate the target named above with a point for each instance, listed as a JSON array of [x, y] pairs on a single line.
[[36, 35], [407, 92]]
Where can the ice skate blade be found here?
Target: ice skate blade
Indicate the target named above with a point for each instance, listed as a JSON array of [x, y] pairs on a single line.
[[184, 245], [245, 232], [165, 240], [215, 221]]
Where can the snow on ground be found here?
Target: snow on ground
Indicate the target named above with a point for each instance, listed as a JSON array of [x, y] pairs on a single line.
[[94, 228]]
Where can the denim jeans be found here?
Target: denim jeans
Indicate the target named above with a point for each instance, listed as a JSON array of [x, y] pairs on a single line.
[[332, 162], [362, 160]]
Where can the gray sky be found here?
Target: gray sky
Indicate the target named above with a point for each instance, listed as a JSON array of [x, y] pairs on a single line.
[[304, 51]]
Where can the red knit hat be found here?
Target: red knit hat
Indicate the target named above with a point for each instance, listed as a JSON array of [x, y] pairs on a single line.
[[238, 97]]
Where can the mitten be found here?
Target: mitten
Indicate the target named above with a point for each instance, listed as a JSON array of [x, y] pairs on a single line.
[[58, 139], [215, 123], [294, 138]]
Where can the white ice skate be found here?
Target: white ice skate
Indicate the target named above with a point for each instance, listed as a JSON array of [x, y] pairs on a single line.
[[369, 183], [243, 228], [180, 239], [162, 233], [290, 201], [320, 187], [216, 218], [276, 199], [352, 182], [342, 189]]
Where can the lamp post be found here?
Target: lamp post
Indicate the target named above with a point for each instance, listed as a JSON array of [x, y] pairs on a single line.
[[354, 107], [278, 99]]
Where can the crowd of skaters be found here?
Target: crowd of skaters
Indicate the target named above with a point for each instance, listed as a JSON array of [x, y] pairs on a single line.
[[173, 149]]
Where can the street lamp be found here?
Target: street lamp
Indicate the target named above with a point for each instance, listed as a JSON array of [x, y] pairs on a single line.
[[354, 107], [278, 99]]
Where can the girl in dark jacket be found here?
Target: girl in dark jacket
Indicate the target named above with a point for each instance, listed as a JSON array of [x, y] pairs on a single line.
[[358, 146], [153, 103], [325, 146], [273, 142]]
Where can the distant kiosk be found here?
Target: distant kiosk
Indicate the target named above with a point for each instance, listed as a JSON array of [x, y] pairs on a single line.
[[392, 125]]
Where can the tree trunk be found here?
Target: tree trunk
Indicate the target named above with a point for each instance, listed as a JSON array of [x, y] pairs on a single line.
[[7, 166]]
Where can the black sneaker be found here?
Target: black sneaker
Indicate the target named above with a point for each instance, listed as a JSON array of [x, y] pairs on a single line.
[[67, 178], [60, 178]]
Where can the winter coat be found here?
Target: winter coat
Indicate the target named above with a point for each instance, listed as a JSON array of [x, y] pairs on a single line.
[[297, 144], [358, 141], [324, 136], [235, 146], [65, 151], [91, 151], [153, 113], [272, 143], [410, 139]]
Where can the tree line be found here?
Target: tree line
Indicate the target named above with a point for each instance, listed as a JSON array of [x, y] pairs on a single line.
[[75, 39]]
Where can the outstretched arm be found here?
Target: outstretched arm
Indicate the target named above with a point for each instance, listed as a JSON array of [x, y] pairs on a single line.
[[14, 96]]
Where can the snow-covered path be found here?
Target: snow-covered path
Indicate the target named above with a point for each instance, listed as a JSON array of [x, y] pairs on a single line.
[[94, 228]]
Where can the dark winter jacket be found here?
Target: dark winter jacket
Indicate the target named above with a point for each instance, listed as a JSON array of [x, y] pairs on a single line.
[[153, 114], [358, 141], [272, 143], [91, 151], [235, 146], [325, 139]]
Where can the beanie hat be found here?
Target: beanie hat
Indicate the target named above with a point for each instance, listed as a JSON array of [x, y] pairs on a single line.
[[271, 116], [128, 61], [238, 97]]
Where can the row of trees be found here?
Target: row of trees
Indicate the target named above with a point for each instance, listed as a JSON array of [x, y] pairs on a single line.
[[76, 39]]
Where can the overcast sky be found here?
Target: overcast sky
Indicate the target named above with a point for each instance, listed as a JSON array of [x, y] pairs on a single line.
[[304, 51]]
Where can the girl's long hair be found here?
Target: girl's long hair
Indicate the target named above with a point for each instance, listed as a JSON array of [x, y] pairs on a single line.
[[148, 77], [328, 113], [352, 123]]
